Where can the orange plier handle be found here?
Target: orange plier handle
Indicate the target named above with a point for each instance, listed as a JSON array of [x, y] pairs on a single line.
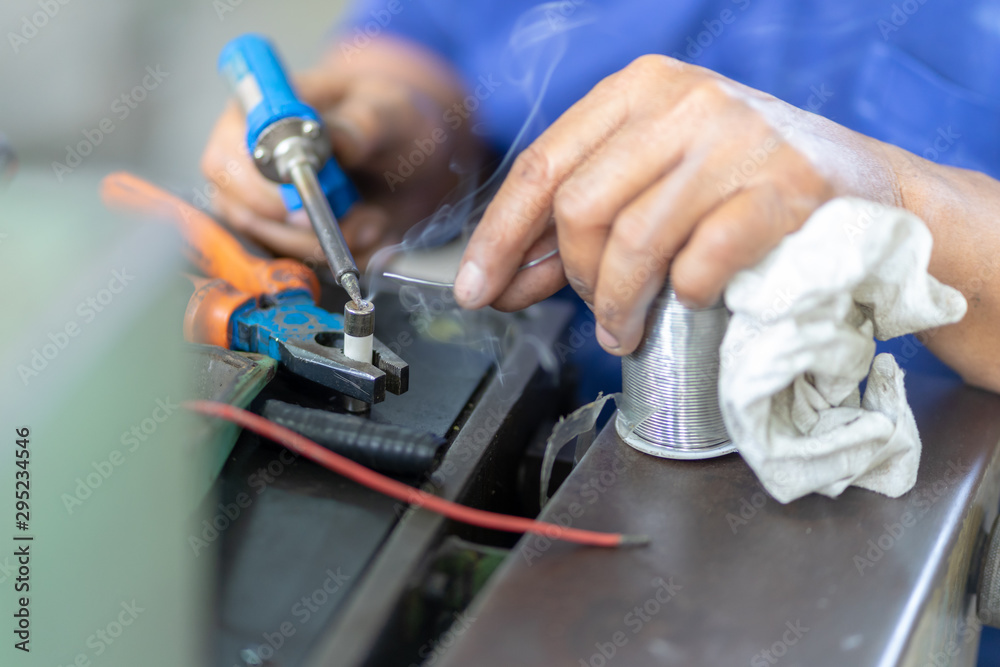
[[208, 245]]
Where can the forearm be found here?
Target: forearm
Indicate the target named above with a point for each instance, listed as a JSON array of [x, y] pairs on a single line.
[[962, 210]]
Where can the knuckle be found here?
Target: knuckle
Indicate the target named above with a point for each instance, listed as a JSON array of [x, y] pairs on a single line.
[[573, 205], [708, 94], [690, 287], [649, 66], [631, 230], [719, 245], [533, 167]]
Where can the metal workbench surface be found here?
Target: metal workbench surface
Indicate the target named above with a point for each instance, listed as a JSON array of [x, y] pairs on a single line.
[[732, 577]]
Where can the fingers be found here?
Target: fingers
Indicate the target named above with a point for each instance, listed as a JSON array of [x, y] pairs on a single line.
[[733, 236], [663, 168], [645, 237], [522, 208], [373, 116], [365, 228], [736, 236], [321, 88], [537, 282], [598, 156], [253, 204], [590, 199], [227, 164], [673, 161], [280, 238]]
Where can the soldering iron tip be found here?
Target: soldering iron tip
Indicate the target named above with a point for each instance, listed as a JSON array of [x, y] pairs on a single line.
[[349, 282]]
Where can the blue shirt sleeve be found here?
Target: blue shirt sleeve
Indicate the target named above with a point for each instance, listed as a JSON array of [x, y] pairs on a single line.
[[413, 20]]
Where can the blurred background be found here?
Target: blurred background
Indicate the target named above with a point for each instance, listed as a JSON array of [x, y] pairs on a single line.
[[90, 86], [62, 79]]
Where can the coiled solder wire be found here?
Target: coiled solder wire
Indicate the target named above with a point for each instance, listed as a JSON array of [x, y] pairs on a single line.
[[670, 383]]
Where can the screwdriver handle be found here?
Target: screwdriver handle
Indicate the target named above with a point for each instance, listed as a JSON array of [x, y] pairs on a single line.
[[208, 245], [211, 311]]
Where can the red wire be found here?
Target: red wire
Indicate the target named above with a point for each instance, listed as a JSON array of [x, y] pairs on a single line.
[[398, 490]]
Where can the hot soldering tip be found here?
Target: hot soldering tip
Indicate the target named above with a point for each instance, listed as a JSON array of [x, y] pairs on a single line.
[[349, 282]]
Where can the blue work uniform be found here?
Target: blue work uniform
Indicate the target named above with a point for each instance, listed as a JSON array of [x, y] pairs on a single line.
[[921, 74]]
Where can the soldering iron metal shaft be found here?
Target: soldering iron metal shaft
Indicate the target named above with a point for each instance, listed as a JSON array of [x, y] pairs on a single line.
[[331, 239]]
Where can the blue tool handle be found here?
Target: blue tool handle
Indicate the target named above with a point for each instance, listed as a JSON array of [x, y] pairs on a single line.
[[258, 79]]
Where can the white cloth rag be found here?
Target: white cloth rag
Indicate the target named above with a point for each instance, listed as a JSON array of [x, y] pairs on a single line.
[[800, 341]]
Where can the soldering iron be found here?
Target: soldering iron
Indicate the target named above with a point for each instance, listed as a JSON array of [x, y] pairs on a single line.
[[290, 146]]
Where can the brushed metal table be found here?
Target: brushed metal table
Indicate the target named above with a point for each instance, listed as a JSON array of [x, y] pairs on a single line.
[[732, 577]]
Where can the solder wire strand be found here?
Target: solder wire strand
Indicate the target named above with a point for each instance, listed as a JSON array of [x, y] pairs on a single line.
[[673, 376], [398, 277]]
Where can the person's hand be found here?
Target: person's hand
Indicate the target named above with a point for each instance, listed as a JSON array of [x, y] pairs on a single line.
[[662, 166], [374, 115]]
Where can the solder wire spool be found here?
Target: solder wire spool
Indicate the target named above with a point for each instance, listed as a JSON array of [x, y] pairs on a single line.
[[670, 404]]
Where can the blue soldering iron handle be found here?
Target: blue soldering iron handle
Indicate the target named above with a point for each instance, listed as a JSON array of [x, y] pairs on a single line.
[[257, 77]]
